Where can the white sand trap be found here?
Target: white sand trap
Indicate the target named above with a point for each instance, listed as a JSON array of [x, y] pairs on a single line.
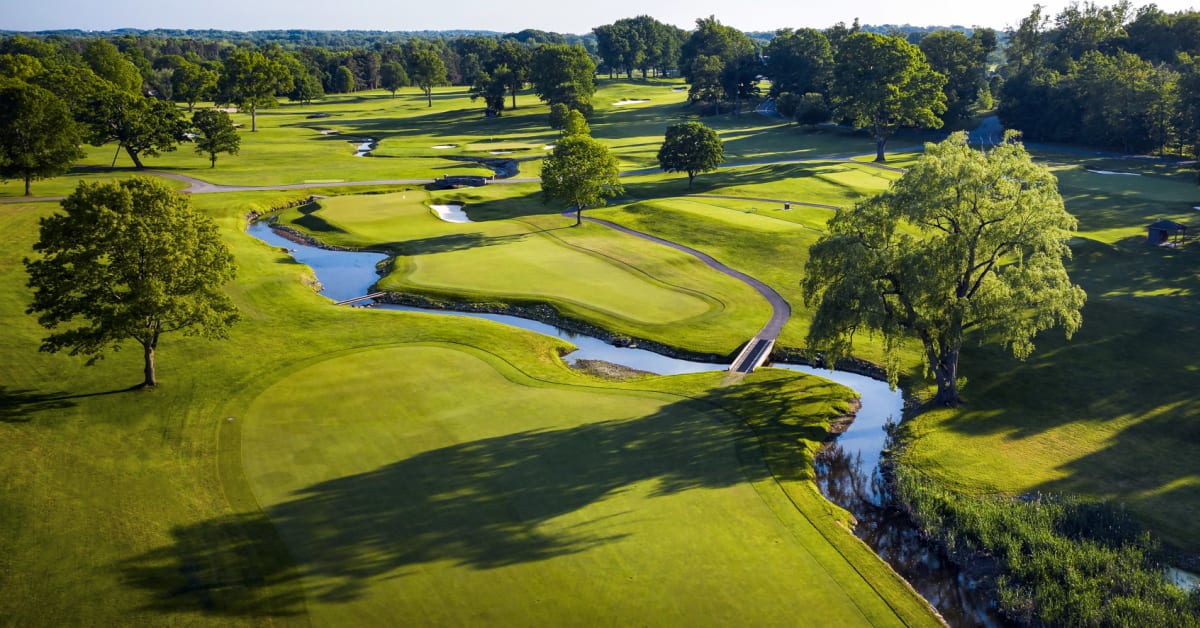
[[679, 89], [549, 147], [1126, 174], [501, 152], [445, 146], [621, 103], [329, 132], [450, 213]]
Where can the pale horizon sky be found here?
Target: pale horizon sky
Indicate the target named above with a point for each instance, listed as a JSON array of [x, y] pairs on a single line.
[[549, 15]]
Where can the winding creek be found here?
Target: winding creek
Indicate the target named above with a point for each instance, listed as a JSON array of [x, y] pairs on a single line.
[[847, 468]]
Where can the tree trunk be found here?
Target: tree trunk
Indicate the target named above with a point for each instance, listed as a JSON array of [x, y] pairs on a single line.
[[213, 159], [150, 380], [429, 95], [880, 142], [27, 180], [691, 177], [946, 374], [137, 163], [254, 118], [579, 214]]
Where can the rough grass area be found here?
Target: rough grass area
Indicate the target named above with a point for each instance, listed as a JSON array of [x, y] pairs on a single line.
[[1059, 561]]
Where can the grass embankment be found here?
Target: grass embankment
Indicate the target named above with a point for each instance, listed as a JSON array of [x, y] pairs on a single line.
[[129, 507]]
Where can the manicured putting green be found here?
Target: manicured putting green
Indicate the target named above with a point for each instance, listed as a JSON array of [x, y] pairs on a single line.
[[445, 489]]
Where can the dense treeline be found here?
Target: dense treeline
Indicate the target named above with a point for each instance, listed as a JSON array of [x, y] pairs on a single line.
[[1107, 77], [1095, 75]]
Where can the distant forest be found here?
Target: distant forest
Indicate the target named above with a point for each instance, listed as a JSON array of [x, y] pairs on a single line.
[[1102, 76]]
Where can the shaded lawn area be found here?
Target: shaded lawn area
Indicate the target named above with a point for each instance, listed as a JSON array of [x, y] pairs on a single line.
[[468, 492], [1113, 412]]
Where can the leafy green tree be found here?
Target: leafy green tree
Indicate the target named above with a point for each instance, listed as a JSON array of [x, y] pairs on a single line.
[[558, 116], [492, 87], [343, 80], [690, 147], [564, 74], [581, 173], [307, 88], [392, 76], [962, 60], [427, 70], [192, 82], [884, 82], [143, 126], [575, 124], [517, 58], [800, 62], [215, 133], [250, 80], [706, 86], [129, 260], [38, 136], [20, 66], [812, 108], [109, 64], [965, 241]]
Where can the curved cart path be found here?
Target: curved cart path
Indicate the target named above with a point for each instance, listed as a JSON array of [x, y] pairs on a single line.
[[781, 311]]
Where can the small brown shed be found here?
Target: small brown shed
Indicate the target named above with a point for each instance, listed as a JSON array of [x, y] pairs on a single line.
[[1166, 232]]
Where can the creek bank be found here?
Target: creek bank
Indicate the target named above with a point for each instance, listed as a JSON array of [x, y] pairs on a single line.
[[545, 313], [504, 168]]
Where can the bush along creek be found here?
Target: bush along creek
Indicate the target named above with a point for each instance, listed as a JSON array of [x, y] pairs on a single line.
[[926, 543]]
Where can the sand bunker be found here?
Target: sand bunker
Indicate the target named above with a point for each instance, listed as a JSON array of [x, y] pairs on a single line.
[[1127, 174], [501, 152], [445, 146], [329, 132], [620, 103], [450, 213], [549, 147]]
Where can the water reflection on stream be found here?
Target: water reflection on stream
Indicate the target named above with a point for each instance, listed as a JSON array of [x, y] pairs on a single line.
[[847, 468]]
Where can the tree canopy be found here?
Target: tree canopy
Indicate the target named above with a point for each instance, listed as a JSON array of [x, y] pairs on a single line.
[[426, 70], [38, 137], [965, 241], [215, 133], [250, 80], [690, 147], [580, 172], [142, 126], [884, 82], [564, 74], [392, 76], [128, 260]]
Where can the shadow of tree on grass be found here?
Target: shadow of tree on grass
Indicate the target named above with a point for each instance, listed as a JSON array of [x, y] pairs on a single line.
[[483, 504]]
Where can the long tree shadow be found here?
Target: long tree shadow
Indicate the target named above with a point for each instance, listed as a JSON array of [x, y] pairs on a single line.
[[21, 405], [482, 505]]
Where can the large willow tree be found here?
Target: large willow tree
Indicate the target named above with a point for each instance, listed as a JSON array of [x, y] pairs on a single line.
[[965, 241]]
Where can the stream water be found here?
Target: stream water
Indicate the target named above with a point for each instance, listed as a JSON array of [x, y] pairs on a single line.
[[847, 468]]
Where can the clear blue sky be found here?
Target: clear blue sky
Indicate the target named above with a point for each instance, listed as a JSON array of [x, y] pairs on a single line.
[[566, 16]]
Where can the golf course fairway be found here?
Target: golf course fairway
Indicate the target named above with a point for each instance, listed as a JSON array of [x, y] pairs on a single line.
[[448, 488]]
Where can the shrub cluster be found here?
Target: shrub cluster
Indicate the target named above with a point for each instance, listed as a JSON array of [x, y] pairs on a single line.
[[1061, 561]]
